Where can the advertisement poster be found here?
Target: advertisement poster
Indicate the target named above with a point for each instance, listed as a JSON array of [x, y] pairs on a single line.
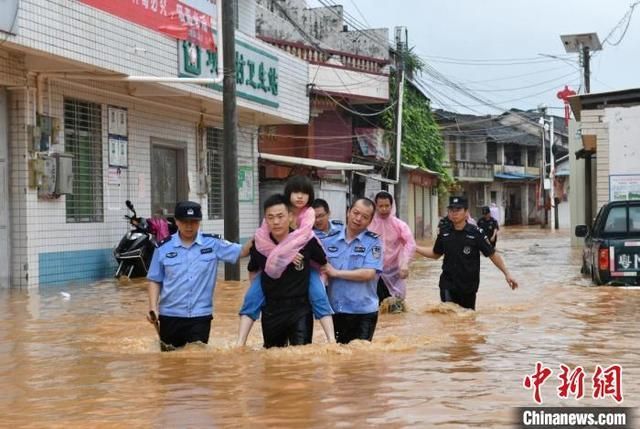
[[624, 187]]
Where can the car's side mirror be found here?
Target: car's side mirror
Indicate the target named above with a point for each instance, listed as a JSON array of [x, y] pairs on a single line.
[[581, 230]]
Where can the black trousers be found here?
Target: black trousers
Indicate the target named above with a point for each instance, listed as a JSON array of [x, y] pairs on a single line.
[[383, 291], [178, 331], [287, 327], [466, 300], [349, 327]]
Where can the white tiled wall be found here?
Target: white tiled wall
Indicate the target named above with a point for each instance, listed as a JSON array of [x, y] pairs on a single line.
[[43, 222], [67, 30]]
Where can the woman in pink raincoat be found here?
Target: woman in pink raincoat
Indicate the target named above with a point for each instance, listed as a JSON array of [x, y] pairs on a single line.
[[399, 247]]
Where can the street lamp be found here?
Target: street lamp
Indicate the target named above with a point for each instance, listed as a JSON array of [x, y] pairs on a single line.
[[547, 125]]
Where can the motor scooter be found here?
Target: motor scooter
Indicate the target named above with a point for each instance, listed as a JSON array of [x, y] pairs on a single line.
[[135, 250]]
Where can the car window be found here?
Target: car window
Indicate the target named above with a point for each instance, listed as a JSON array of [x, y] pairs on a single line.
[[634, 218], [617, 220]]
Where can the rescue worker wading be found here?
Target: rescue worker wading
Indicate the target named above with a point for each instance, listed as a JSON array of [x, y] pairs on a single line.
[[182, 278], [461, 244]]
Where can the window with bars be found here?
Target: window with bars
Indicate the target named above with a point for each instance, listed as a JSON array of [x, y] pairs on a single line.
[[215, 167], [83, 139]]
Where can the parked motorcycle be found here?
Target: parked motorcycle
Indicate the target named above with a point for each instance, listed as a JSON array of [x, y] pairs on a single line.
[[135, 250]]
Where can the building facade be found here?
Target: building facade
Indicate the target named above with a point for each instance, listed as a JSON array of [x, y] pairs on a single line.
[[605, 161], [83, 134], [342, 147], [498, 160]]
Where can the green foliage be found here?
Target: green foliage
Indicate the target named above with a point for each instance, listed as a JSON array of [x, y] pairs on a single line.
[[422, 142]]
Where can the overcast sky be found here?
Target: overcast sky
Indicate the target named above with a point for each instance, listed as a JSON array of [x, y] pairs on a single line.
[[475, 43]]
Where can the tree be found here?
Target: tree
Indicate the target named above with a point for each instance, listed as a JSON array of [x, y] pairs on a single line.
[[422, 142]]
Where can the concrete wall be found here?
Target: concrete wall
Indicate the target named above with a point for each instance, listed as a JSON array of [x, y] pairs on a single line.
[[323, 25]]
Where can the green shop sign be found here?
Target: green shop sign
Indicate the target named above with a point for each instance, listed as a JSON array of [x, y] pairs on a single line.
[[256, 70]]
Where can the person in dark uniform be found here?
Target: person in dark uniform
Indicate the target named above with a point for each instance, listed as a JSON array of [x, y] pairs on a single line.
[[489, 225], [182, 278], [355, 257], [287, 318], [461, 244]]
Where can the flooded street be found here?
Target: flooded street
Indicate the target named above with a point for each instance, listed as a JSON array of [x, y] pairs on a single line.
[[91, 360]]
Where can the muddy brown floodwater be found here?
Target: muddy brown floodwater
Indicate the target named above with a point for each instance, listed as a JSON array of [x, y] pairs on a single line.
[[91, 360]]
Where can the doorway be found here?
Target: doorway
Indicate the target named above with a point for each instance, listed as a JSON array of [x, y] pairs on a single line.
[[168, 175]]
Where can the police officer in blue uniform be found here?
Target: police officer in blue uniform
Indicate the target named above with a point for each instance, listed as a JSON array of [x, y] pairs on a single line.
[[461, 244], [324, 226], [355, 262], [182, 278]]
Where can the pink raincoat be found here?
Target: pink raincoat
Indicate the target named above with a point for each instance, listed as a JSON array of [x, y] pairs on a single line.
[[282, 254], [399, 247], [159, 227]]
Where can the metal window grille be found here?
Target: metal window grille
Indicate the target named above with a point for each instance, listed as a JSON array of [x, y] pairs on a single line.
[[83, 139], [215, 166]]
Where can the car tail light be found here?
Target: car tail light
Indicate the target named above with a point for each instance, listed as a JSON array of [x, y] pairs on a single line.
[[603, 259]]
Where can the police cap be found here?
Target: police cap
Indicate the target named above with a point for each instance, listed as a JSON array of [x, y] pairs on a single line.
[[486, 210], [188, 210], [458, 202]]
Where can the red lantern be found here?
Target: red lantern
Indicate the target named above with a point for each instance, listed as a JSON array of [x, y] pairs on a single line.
[[564, 96]]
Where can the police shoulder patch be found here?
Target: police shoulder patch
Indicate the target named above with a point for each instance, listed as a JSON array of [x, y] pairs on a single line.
[[371, 234], [332, 233], [165, 241], [337, 222], [376, 251]]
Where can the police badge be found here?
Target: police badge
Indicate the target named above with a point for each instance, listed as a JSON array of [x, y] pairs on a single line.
[[466, 250], [376, 251]]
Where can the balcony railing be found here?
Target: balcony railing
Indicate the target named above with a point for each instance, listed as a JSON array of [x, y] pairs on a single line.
[[315, 56], [471, 170], [516, 169]]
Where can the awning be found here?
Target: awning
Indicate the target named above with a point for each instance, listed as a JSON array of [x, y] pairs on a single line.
[[515, 176], [377, 178], [315, 163], [412, 167]]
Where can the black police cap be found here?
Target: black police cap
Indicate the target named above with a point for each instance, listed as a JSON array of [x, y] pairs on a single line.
[[188, 210], [457, 202]]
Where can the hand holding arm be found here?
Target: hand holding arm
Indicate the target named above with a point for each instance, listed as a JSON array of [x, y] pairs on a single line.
[[357, 275], [246, 247]]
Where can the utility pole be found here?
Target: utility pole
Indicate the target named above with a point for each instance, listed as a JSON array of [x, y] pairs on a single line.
[[583, 44], [588, 203], [552, 176], [230, 133], [401, 45]]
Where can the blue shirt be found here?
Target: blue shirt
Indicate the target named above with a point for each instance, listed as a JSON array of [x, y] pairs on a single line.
[[364, 251], [187, 275], [334, 226]]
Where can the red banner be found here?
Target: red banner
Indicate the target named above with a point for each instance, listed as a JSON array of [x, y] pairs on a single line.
[[171, 17]]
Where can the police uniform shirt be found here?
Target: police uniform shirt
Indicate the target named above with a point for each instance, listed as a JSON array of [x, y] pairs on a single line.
[[488, 226], [364, 251], [461, 250], [334, 226], [187, 275]]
